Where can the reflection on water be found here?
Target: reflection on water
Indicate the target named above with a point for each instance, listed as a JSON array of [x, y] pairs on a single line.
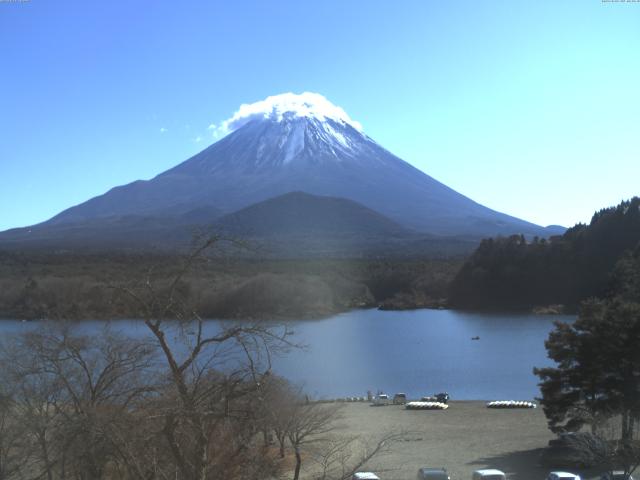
[[418, 352]]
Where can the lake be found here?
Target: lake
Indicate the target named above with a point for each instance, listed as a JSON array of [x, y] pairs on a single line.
[[419, 352]]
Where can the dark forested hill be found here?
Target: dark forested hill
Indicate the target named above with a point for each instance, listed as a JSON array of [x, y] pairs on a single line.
[[299, 213], [512, 273]]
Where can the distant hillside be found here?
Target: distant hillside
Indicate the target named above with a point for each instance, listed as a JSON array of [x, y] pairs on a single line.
[[299, 224], [120, 232], [299, 213], [512, 273]]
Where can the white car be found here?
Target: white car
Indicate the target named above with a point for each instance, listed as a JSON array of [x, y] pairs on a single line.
[[365, 476], [562, 476], [489, 474]]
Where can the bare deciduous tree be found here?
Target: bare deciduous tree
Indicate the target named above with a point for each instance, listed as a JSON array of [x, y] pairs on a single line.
[[190, 400], [205, 414], [340, 457], [71, 392], [309, 423], [12, 458]]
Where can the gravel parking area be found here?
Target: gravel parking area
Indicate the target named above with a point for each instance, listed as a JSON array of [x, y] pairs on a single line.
[[465, 437]]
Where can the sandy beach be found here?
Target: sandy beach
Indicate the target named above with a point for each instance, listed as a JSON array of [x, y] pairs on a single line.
[[466, 437]]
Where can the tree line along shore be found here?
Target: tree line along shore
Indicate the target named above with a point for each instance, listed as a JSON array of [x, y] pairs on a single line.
[[71, 286]]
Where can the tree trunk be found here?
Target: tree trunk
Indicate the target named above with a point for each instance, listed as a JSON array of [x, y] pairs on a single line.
[[169, 433], [203, 459], [45, 454], [625, 426], [296, 473]]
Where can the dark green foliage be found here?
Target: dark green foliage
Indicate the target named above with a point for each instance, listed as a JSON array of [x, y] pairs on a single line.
[[512, 273], [625, 280], [598, 361], [78, 286], [598, 364]]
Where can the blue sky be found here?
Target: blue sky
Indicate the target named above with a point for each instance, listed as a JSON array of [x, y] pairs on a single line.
[[531, 108]]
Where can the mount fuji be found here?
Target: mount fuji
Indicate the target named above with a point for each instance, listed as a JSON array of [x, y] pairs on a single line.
[[286, 143]]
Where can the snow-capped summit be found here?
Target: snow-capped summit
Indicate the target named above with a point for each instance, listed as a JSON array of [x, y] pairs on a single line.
[[295, 127], [289, 129], [288, 106]]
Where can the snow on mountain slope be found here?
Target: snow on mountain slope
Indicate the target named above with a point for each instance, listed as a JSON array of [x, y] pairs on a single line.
[[288, 105]]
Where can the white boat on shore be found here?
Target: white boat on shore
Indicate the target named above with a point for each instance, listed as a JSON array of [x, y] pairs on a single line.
[[426, 406], [511, 404]]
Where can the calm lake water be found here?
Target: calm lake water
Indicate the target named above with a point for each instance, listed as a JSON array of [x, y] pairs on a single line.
[[419, 352]]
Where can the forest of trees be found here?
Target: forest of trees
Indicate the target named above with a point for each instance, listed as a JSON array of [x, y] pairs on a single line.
[[78, 286], [517, 273]]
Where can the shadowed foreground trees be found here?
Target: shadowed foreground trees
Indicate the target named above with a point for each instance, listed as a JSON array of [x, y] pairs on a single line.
[[99, 408], [71, 397], [106, 407]]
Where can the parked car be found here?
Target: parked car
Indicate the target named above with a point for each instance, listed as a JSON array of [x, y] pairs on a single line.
[[365, 476], [381, 399], [616, 475], [562, 476], [400, 399], [488, 474], [427, 473]]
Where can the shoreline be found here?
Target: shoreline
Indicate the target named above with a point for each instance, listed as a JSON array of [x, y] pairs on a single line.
[[450, 402], [320, 316]]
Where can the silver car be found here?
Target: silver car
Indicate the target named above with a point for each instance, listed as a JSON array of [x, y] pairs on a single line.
[[426, 473]]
